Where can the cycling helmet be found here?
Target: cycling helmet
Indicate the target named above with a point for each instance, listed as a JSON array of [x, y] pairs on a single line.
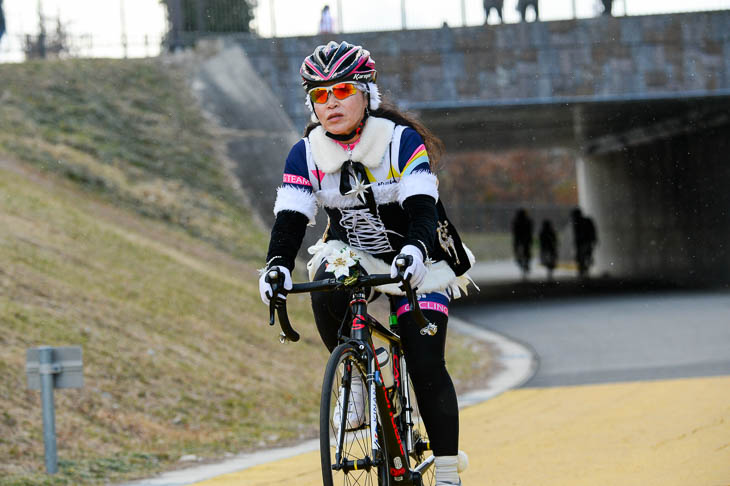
[[337, 62], [340, 62]]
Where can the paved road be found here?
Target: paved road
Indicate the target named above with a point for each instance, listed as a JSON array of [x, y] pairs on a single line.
[[615, 338], [663, 432]]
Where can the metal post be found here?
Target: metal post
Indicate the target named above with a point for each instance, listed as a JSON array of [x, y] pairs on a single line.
[[463, 13], [46, 372], [41, 32], [176, 24], [200, 22], [273, 18], [403, 14], [123, 23], [339, 17]]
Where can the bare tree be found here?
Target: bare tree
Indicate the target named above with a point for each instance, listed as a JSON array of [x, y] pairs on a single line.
[[43, 45]]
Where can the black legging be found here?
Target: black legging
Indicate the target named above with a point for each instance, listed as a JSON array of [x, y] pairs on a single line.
[[425, 359]]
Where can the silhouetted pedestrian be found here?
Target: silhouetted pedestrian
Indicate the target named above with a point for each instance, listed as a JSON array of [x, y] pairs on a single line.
[[326, 24], [585, 239], [2, 21], [548, 247], [497, 5], [522, 240], [522, 9], [607, 6]]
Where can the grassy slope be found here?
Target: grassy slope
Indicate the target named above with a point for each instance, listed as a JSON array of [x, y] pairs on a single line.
[[120, 232]]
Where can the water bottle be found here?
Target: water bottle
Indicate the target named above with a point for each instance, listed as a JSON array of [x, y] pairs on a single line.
[[386, 367]]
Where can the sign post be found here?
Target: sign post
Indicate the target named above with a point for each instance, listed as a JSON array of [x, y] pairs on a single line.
[[48, 368]]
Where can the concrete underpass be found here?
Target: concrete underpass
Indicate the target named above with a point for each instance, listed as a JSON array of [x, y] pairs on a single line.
[[642, 102]]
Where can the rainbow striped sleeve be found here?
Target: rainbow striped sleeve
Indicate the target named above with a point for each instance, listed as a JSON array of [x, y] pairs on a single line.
[[413, 154]]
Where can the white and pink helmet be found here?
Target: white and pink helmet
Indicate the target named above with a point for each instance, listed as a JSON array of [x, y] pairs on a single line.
[[335, 62]]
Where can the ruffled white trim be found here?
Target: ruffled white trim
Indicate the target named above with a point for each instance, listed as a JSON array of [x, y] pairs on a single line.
[[371, 148], [440, 276], [292, 199], [331, 198], [418, 183]]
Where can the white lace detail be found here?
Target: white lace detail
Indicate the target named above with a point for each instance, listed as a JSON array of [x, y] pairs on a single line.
[[365, 231]]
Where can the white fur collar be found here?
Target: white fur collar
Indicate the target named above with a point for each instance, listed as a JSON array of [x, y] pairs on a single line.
[[329, 155]]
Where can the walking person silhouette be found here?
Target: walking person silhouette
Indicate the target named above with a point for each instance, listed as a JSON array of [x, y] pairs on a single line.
[[585, 239], [522, 240], [548, 247]]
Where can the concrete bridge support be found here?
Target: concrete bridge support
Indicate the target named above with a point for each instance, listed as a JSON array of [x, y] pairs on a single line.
[[662, 209]]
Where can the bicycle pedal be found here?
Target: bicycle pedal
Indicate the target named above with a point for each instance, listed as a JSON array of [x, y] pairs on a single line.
[[430, 330]]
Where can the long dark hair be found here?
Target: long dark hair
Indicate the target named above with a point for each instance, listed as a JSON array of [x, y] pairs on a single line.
[[434, 145]]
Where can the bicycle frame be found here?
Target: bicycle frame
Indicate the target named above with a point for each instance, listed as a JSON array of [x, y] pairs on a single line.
[[362, 326]]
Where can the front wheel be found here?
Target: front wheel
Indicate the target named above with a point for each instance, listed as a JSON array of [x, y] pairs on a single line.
[[346, 447]]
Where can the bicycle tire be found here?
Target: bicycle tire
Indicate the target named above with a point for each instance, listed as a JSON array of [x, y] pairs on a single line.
[[357, 445]]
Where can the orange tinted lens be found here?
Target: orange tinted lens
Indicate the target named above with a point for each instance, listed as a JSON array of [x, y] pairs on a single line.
[[318, 95], [343, 90]]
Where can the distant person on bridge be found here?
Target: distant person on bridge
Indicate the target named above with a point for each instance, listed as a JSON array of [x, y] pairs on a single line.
[[522, 6], [522, 240], [548, 247], [585, 239], [326, 23], [2, 21], [369, 166], [497, 5], [607, 6]]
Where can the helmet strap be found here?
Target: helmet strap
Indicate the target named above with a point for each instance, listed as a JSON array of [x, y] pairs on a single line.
[[349, 136], [373, 96]]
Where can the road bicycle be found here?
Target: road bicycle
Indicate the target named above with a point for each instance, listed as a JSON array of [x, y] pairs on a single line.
[[390, 446]]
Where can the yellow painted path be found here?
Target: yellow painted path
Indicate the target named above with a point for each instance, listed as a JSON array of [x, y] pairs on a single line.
[[663, 433]]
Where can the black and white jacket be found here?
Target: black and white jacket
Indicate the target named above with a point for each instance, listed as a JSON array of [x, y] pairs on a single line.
[[379, 195]]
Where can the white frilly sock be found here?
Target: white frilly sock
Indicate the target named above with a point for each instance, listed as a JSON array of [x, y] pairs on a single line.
[[446, 470]]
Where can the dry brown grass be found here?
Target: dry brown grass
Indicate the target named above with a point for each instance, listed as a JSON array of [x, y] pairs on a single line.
[[153, 274], [178, 356]]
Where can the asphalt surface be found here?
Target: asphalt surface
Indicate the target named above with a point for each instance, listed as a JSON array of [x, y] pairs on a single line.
[[632, 387], [615, 338]]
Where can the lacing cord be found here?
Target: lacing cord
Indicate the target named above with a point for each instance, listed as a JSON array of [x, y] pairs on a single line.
[[365, 231]]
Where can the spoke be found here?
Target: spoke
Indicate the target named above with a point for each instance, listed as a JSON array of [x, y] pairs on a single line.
[[356, 446]]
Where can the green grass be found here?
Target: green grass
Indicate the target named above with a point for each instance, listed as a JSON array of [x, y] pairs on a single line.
[[128, 130], [489, 246], [120, 232]]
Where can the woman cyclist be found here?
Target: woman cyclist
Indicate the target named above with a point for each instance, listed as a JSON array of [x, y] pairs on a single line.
[[369, 167]]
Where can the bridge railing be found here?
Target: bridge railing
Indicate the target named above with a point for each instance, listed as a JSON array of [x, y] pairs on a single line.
[[136, 28], [287, 18], [82, 28]]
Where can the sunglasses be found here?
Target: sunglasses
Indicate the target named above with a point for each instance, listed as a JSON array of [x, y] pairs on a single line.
[[340, 90]]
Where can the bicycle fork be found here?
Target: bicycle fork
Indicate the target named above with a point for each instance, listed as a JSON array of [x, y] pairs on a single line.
[[419, 446]]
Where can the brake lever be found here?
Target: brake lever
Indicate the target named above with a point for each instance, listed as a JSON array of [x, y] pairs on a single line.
[[273, 277], [277, 307], [272, 310]]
